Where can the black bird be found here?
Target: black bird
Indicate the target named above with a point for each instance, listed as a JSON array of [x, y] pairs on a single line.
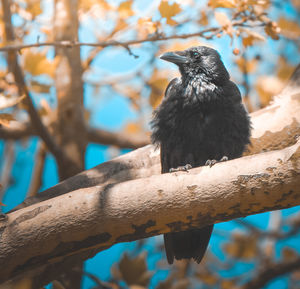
[[201, 120]]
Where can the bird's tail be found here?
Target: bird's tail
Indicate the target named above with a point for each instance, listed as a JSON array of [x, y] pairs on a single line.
[[187, 244]]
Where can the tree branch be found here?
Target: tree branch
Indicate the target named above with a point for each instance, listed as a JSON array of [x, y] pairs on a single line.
[[100, 216], [94, 135], [37, 174], [121, 140], [157, 37], [272, 272]]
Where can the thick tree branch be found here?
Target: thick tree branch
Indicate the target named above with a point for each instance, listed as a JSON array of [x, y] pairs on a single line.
[[274, 127], [100, 216]]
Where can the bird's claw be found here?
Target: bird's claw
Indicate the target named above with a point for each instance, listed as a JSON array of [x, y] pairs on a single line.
[[184, 168], [210, 163], [224, 159]]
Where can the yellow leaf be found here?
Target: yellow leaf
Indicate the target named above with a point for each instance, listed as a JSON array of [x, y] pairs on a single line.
[[8, 101], [145, 26], [203, 19], [36, 63], [86, 5], [251, 37], [125, 9], [167, 11], [5, 118], [34, 7], [272, 30], [289, 28], [248, 66], [222, 3]]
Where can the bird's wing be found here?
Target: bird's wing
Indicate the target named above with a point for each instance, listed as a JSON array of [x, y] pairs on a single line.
[[233, 91], [170, 86]]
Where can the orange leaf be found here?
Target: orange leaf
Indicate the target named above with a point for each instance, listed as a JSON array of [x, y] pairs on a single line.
[[222, 3], [146, 26], [5, 119], [203, 19], [34, 7], [289, 28], [125, 9], [251, 37], [36, 63], [167, 11], [246, 66]]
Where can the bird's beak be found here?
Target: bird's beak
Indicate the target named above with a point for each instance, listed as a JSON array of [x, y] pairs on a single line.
[[174, 57]]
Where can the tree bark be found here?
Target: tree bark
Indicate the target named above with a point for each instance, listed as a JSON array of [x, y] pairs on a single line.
[[71, 131], [100, 216]]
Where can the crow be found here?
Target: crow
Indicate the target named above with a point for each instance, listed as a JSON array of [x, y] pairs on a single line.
[[200, 121]]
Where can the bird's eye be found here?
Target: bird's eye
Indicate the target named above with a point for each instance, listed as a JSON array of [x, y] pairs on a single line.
[[195, 53]]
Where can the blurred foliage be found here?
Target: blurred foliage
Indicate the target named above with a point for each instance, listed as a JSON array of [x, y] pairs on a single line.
[[259, 41]]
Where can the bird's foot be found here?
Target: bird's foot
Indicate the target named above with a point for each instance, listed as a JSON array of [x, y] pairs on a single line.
[[210, 163], [184, 168]]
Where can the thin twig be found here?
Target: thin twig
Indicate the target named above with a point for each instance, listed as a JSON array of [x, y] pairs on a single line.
[[157, 37]]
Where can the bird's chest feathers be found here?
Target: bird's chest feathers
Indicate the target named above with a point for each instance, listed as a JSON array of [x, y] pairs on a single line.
[[197, 90]]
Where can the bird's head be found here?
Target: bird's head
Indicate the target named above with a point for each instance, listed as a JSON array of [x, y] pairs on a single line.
[[199, 60]]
